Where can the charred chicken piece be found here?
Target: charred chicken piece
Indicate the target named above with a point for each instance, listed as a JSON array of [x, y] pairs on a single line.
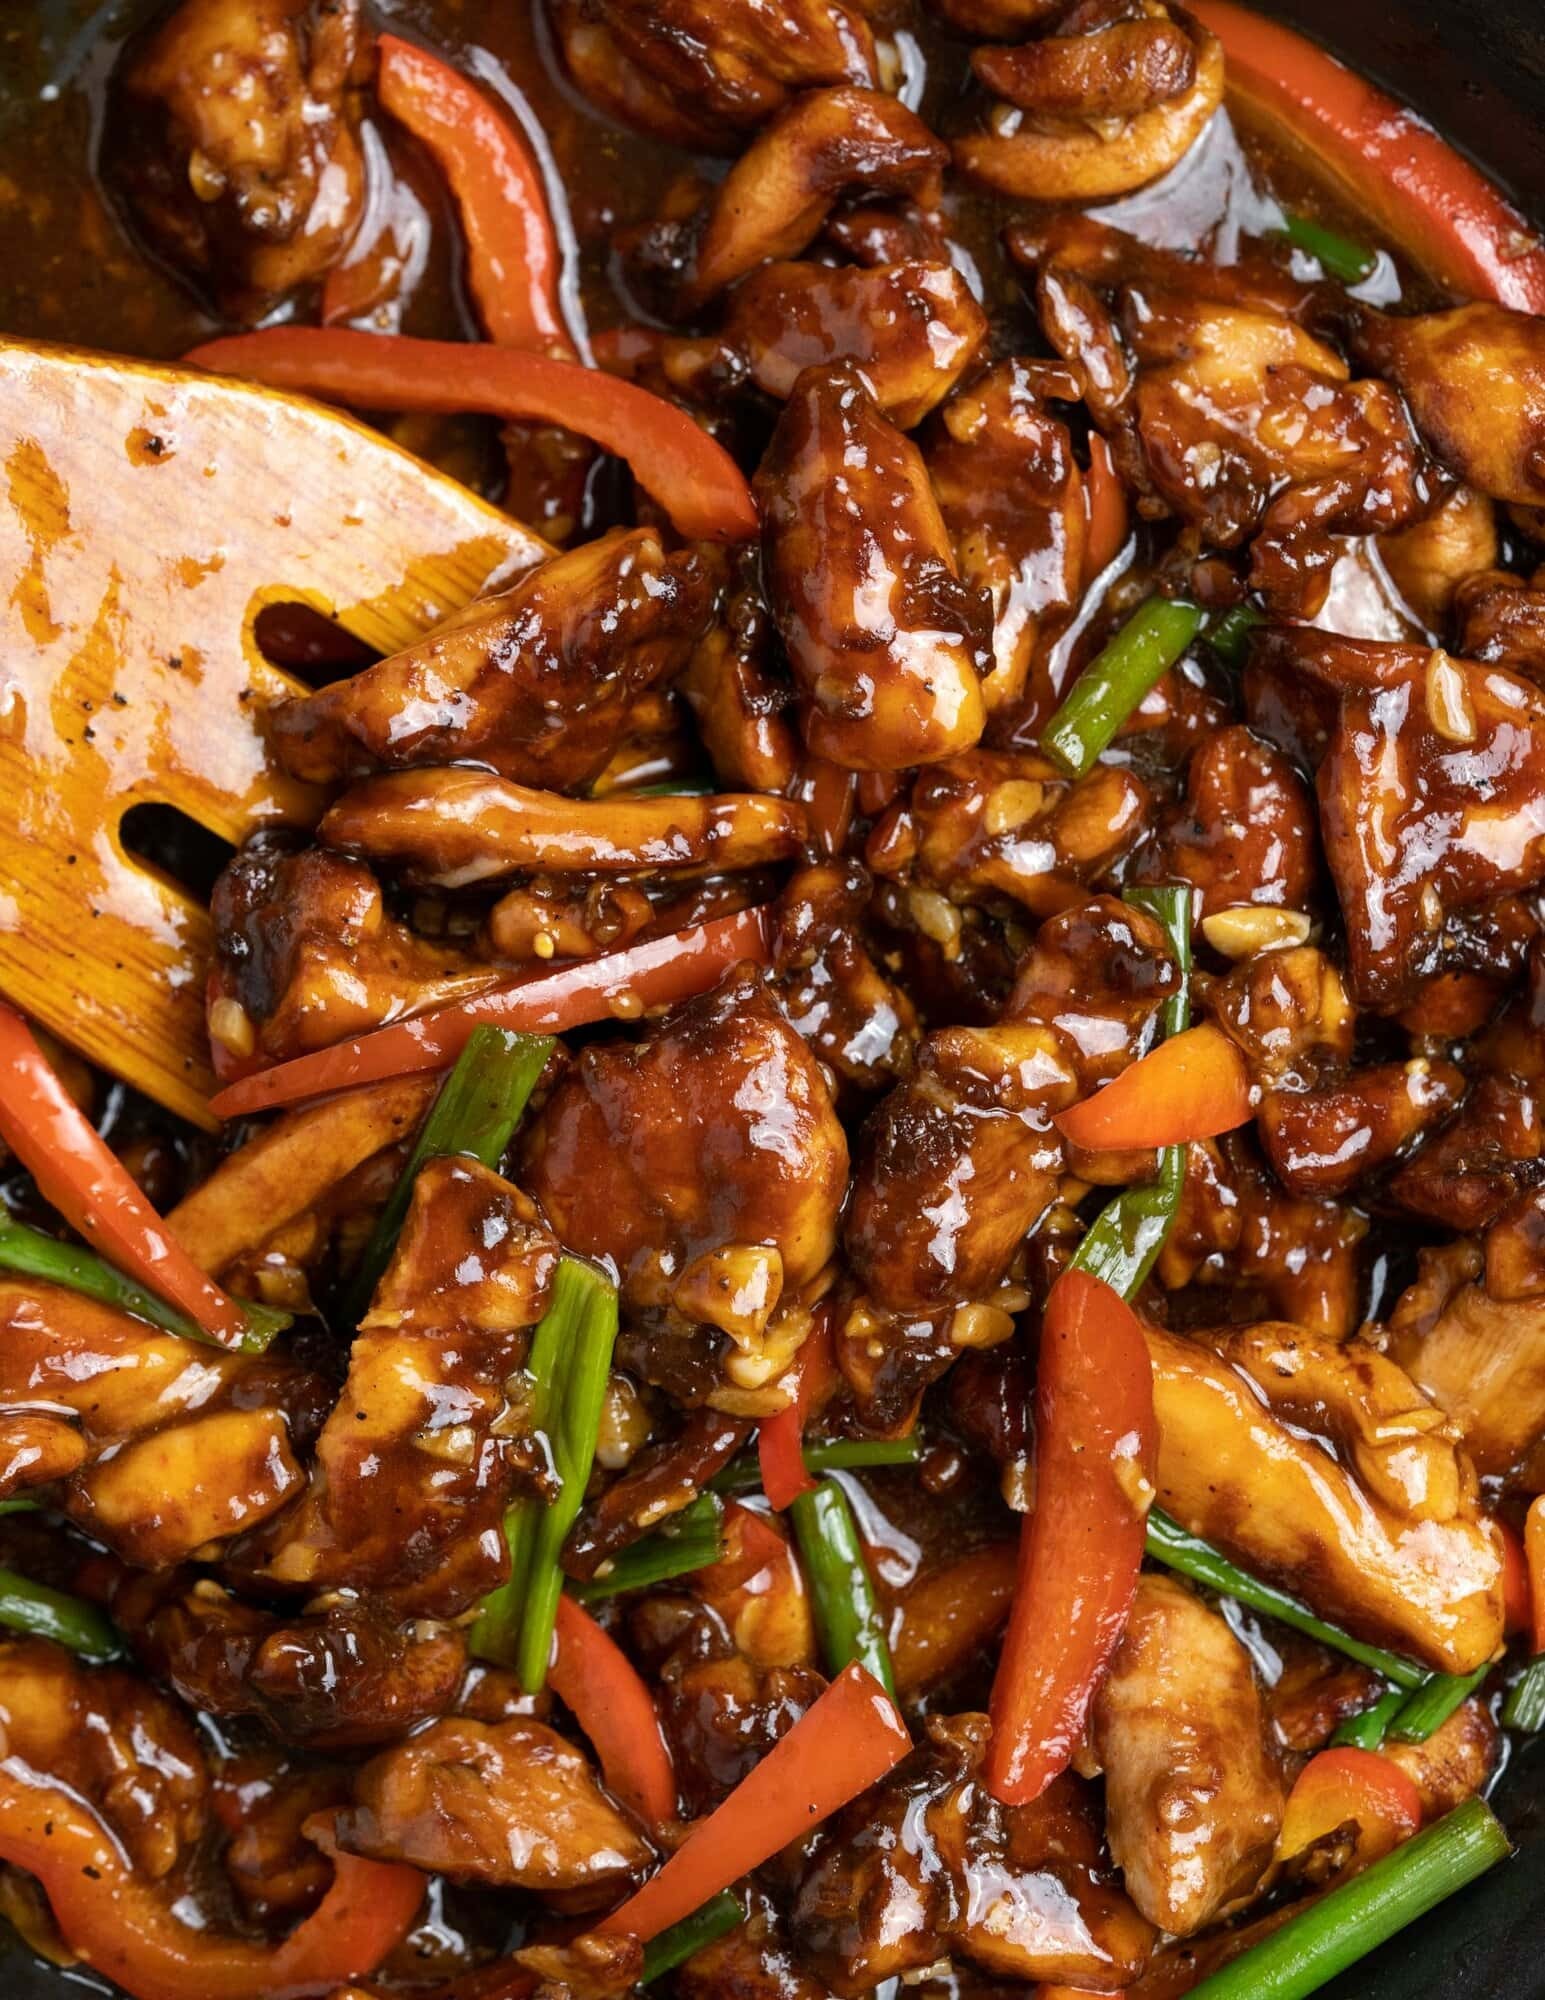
[[912, 329], [416, 1463], [239, 148], [858, 1021], [885, 641], [1246, 834], [535, 682], [1193, 1794], [703, 74]]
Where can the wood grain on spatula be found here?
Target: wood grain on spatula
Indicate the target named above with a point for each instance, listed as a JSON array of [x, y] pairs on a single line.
[[147, 516]]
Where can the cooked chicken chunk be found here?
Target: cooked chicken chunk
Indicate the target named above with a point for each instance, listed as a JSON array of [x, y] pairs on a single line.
[[240, 151], [1281, 1506], [885, 641], [536, 681], [506, 1805], [1480, 1359], [1193, 1795]]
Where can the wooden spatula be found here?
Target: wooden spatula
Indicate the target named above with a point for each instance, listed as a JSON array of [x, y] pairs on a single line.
[[147, 516]]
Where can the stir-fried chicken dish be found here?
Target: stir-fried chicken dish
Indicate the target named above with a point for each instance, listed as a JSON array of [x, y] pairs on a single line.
[[864, 1298]]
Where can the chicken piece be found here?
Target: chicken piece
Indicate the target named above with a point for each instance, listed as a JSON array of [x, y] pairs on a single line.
[[703, 73], [1315, 1692], [1396, 1440], [1272, 1254], [1412, 839], [721, 1712], [1328, 1140], [306, 955], [1013, 500], [1472, 1170], [1501, 618], [775, 198], [1095, 114], [912, 329], [944, 1619], [1455, 1761], [262, 1802], [454, 828], [506, 1805], [996, 825], [665, 1477], [754, 1961], [1429, 561], [885, 641], [332, 1678], [957, 1165], [1281, 1506], [1193, 1796], [36, 1449], [1099, 974], [736, 697], [1246, 834], [859, 1022], [757, 1591], [708, 1149], [1475, 381], [181, 1444], [535, 682], [928, 1864], [239, 146], [116, 1743], [415, 1464], [1480, 1359], [1114, 70], [290, 1165], [576, 916], [1289, 1014]]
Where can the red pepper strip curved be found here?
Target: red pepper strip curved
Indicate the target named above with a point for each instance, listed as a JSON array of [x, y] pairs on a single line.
[[780, 1438], [654, 974], [1105, 507], [1192, 1086], [512, 251], [121, 1926], [848, 1741], [693, 478], [1438, 208], [1534, 1558], [1082, 1548], [78, 1175], [1517, 1596], [1349, 1784], [592, 1674]]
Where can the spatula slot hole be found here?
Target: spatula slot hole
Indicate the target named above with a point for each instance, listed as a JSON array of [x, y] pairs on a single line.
[[176, 845], [300, 640]]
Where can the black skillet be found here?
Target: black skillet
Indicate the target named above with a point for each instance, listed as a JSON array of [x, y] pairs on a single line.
[[1476, 70]]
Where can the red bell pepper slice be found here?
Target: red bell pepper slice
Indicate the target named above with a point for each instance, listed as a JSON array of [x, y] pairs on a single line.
[[1192, 1086], [78, 1175], [122, 1927], [513, 265], [780, 1439], [1438, 208], [1345, 1784], [657, 973], [1517, 1596], [592, 1674], [688, 472], [848, 1741], [1081, 1550], [1105, 509], [1534, 1560]]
